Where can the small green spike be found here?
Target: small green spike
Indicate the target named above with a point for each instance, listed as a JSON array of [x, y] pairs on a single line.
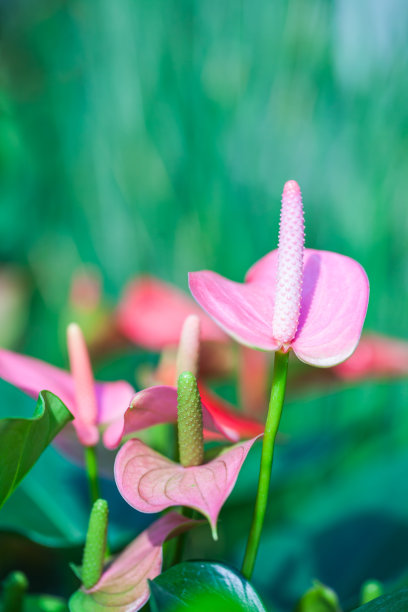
[[14, 588], [319, 598], [95, 545], [189, 421], [371, 589]]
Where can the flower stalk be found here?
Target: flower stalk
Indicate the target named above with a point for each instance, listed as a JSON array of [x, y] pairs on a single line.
[[271, 429]]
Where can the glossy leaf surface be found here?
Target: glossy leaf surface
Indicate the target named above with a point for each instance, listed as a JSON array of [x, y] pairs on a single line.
[[200, 586], [23, 440]]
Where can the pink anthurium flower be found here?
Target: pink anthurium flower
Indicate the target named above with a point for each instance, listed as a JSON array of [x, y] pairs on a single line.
[[93, 404], [151, 314], [376, 356], [151, 483], [158, 404], [313, 302], [123, 586]]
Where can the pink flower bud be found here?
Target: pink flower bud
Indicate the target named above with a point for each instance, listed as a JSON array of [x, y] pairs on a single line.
[[81, 370], [189, 346]]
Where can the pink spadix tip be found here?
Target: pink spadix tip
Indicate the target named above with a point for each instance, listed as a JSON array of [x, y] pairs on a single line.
[[188, 352], [290, 265], [81, 369]]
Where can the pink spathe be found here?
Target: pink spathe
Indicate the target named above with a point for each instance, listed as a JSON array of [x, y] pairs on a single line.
[[333, 302], [32, 376], [158, 404], [151, 314], [151, 483], [123, 586]]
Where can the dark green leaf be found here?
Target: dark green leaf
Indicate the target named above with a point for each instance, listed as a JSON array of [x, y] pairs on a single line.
[[393, 602], [23, 440], [202, 586]]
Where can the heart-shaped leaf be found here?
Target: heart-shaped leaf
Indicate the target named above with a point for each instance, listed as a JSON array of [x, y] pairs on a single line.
[[392, 602], [23, 440], [123, 587], [200, 586], [150, 482]]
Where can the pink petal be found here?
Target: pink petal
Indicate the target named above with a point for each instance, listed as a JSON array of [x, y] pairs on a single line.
[[234, 425], [334, 305], [156, 405], [32, 376], [375, 356], [148, 407], [152, 313], [123, 586], [150, 482], [113, 400], [244, 311]]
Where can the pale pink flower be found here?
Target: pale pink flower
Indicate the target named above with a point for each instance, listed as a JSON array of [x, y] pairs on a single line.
[[313, 302]]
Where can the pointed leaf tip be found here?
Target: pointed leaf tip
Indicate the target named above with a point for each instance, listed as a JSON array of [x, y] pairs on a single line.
[[23, 440]]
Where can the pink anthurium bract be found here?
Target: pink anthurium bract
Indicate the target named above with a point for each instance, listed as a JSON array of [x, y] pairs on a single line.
[[123, 586], [158, 404], [118, 409], [313, 302], [376, 356], [151, 483], [32, 376], [151, 314]]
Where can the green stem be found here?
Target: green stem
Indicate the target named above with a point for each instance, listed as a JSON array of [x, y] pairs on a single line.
[[280, 371], [181, 539], [91, 465]]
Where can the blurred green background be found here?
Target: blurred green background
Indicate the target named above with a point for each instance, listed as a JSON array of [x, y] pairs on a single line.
[[156, 136]]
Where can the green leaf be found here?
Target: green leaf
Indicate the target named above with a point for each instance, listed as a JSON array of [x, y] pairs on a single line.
[[393, 602], [23, 440], [202, 586]]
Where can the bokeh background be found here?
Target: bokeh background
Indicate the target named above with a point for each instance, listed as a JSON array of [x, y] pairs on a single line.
[[155, 136]]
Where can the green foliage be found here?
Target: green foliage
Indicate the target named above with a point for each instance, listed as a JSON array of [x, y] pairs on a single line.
[[393, 602], [15, 599], [23, 440], [201, 586]]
